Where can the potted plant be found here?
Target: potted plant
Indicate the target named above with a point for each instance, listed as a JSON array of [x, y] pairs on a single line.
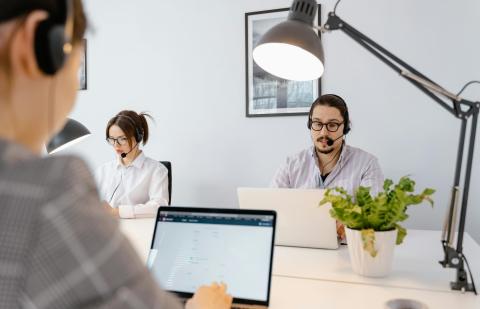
[[372, 224]]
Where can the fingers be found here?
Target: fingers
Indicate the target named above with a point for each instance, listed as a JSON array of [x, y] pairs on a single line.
[[340, 230], [211, 296]]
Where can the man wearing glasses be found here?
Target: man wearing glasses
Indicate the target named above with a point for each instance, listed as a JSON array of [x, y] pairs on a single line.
[[330, 162]]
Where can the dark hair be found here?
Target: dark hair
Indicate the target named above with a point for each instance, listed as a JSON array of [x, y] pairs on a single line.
[[332, 100], [132, 124], [10, 9]]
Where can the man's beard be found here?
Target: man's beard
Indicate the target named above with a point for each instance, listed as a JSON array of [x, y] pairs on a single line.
[[328, 150], [324, 151]]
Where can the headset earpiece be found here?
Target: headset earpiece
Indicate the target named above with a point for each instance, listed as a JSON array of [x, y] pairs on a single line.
[[138, 131], [51, 37], [346, 125], [138, 135], [346, 117]]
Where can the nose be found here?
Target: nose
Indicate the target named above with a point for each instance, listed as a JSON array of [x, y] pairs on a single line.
[[324, 131]]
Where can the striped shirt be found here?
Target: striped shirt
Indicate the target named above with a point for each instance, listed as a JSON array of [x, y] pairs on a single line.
[[354, 168]]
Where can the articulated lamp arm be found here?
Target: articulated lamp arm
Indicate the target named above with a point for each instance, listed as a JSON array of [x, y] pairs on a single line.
[[461, 109]]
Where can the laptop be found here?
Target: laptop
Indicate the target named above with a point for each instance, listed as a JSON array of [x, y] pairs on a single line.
[[301, 222], [198, 246]]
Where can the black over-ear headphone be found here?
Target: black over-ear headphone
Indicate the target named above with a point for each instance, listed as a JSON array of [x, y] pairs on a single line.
[[346, 117], [138, 132], [53, 38]]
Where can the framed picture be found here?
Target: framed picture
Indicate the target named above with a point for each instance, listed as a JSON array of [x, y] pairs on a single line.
[[268, 95], [82, 71]]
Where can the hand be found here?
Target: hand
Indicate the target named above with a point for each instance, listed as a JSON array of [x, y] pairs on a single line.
[[340, 231], [210, 297], [111, 210]]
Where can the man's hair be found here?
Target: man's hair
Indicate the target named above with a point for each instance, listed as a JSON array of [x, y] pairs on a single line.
[[332, 100]]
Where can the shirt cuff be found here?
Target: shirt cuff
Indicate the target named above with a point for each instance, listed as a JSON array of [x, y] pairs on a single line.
[[126, 211]]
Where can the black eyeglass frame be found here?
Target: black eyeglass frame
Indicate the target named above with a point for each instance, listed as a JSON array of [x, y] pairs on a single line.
[[338, 124], [111, 141]]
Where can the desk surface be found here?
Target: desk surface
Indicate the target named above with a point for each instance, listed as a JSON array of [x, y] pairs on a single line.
[[324, 277], [415, 263]]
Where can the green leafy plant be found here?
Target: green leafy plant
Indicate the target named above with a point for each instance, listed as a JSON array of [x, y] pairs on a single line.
[[382, 213]]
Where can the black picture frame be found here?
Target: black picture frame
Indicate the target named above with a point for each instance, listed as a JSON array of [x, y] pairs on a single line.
[[267, 95], [82, 70]]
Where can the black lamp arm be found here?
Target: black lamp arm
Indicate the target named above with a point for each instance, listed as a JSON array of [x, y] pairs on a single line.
[[422, 82], [461, 109]]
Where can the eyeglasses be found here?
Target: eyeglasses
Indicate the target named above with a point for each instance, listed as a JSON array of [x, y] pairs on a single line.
[[331, 126], [120, 141]]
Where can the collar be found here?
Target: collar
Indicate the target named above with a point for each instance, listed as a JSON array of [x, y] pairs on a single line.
[[341, 160], [138, 162]]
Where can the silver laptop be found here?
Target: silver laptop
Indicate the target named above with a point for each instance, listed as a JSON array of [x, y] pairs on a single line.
[[197, 246], [301, 222]]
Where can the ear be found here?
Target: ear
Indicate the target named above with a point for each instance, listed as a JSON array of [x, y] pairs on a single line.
[[22, 48]]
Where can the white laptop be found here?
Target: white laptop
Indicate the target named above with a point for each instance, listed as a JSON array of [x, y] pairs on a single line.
[[301, 222], [197, 246]]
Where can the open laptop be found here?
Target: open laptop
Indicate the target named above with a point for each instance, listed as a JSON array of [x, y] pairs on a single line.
[[301, 222], [197, 246]]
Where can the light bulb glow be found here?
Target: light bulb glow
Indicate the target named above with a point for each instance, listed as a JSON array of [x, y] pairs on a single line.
[[288, 61]]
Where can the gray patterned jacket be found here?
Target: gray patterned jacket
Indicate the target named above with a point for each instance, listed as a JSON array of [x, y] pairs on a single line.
[[58, 246]]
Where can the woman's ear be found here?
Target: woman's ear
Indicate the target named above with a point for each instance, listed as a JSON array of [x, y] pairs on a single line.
[[22, 47]]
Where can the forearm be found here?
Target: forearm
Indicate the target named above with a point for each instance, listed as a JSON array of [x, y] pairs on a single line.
[[146, 210]]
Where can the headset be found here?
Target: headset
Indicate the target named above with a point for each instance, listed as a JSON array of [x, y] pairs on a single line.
[[346, 117], [138, 132], [53, 36], [53, 39]]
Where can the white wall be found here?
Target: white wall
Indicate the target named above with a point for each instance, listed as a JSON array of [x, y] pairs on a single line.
[[183, 61]]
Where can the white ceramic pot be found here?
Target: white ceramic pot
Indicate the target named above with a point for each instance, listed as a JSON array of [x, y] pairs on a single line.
[[362, 262]]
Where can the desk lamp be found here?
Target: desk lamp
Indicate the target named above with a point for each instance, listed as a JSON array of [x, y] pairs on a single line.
[[292, 50], [72, 132]]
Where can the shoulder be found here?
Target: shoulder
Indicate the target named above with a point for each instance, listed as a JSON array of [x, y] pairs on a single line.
[[154, 165], [301, 156], [360, 156], [69, 170], [359, 153], [105, 171], [106, 166], [50, 177]]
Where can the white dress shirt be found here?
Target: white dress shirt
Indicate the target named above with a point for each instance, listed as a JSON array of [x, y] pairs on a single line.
[[354, 168], [137, 189]]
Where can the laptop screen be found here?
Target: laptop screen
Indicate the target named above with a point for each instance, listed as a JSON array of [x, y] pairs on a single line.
[[196, 246]]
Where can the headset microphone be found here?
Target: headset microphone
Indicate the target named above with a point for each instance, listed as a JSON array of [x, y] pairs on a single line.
[[124, 154], [330, 141]]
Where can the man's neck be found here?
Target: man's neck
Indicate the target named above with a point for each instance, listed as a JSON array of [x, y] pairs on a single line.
[[328, 161]]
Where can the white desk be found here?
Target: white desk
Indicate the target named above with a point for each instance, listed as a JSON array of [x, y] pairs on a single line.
[[415, 263], [307, 278]]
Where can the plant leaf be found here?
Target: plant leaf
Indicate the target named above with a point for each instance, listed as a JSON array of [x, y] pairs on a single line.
[[368, 239], [401, 233], [381, 213]]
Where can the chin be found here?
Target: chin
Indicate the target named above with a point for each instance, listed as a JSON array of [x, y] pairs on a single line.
[[325, 150]]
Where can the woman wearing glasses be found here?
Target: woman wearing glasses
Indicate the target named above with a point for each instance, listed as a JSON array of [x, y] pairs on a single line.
[[133, 185]]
